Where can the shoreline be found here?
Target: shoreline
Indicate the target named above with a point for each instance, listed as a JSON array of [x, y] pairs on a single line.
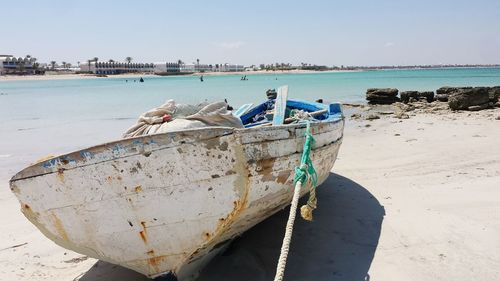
[[70, 76], [73, 76]]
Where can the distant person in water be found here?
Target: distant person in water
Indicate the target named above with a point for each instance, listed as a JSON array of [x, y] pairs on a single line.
[[201, 78], [126, 81], [141, 80]]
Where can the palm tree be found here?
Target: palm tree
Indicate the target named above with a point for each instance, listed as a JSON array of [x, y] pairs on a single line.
[[198, 62], [53, 64], [21, 67], [33, 62], [89, 61], [63, 64], [128, 59], [111, 60], [180, 62]]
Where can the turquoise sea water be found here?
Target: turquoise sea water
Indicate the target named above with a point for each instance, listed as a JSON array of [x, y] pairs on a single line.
[[41, 117]]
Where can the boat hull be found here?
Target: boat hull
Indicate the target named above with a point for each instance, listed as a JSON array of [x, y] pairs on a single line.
[[168, 203]]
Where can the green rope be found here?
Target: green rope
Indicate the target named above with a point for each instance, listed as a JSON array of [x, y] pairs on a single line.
[[306, 169], [305, 172]]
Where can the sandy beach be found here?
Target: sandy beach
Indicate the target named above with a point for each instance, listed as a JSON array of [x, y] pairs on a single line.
[[137, 75], [413, 199], [67, 76]]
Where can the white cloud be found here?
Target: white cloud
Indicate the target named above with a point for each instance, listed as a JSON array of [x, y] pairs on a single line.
[[389, 44], [229, 45]]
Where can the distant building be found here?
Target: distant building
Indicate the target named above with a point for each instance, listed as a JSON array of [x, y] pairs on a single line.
[[166, 68], [226, 67], [12, 65], [159, 68], [231, 67], [169, 68], [203, 68], [172, 68], [116, 67], [219, 67], [187, 68]]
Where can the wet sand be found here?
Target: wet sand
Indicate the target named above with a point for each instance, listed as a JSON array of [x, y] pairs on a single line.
[[413, 199]]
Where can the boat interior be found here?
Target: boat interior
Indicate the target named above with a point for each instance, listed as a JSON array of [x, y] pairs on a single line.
[[260, 114]]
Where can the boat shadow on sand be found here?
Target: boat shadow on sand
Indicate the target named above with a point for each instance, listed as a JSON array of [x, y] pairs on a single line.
[[339, 245]]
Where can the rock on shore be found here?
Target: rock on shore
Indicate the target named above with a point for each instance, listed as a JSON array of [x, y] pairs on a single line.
[[494, 94], [443, 93], [382, 95], [470, 98], [413, 96]]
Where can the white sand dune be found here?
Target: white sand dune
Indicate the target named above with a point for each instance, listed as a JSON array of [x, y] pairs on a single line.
[[412, 200]]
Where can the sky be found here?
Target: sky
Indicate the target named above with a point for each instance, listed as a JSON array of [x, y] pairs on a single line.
[[349, 32]]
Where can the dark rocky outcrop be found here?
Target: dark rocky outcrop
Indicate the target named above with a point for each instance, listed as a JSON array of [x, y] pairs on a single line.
[[469, 97], [442, 97], [456, 98], [494, 94], [443, 93], [414, 96], [406, 96], [382, 96]]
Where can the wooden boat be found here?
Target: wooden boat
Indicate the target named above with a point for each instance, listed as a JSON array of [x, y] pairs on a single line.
[[168, 203]]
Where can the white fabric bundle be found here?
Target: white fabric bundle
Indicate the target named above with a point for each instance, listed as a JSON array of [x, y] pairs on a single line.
[[184, 117]]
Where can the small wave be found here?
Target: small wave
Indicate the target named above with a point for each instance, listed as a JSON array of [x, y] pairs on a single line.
[[25, 129]]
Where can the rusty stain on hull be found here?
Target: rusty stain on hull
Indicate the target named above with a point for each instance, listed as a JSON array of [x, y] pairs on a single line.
[[207, 235], [60, 228], [60, 174], [155, 261], [143, 233], [14, 188], [265, 169], [283, 176], [28, 212]]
